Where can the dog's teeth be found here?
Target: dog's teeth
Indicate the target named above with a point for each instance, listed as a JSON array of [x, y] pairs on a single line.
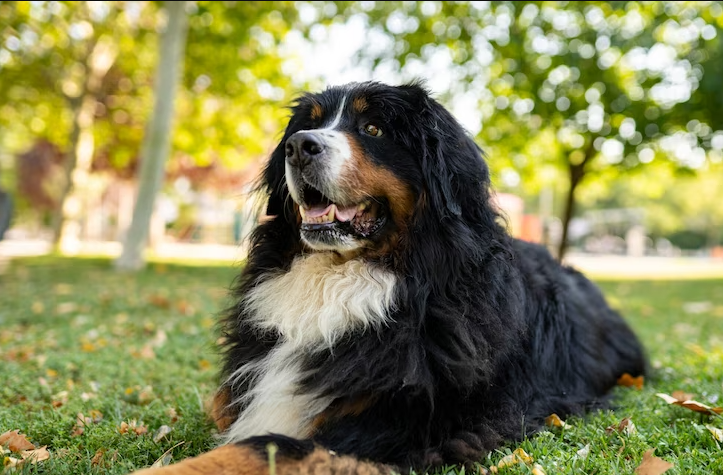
[[362, 207], [302, 212], [332, 214]]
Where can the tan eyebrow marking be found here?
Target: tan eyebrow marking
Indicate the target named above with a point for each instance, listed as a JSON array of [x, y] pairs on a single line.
[[360, 104], [316, 111]]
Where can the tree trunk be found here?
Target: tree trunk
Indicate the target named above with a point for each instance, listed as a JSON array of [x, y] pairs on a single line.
[[67, 222], [157, 139], [577, 173]]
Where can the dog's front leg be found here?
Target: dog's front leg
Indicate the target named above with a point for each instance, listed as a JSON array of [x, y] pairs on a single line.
[[225, 460], [251, 458]]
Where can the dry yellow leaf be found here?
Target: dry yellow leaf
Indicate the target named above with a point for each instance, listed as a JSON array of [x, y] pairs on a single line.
[[717, 433], [15, 441], [518, 456], [36, 455], [538, 470], [690, 404], [652, 465], [553, 420], [629, 381]]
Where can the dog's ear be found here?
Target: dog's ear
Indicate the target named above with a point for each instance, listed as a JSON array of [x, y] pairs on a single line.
[[274, 181], [452, 164]]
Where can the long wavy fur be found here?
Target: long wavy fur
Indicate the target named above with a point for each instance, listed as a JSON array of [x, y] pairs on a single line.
[[490, 334]]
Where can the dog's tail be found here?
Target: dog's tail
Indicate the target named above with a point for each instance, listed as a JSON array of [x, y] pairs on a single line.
[[272, 455]]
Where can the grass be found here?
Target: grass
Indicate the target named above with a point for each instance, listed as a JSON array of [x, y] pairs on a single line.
[[77, 337]]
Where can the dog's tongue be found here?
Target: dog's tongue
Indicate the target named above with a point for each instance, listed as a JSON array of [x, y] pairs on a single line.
[[318, 211], [345, 214], [341, 214]]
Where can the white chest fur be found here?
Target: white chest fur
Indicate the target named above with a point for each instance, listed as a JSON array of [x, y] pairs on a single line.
[[311, 306]]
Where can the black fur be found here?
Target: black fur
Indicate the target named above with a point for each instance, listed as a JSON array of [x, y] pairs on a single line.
[[490, 336]]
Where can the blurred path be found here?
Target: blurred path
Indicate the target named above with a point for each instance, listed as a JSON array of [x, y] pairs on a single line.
[[597, 266], [649, 267]]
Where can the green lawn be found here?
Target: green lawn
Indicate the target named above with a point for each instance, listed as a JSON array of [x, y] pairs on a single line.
[[75, 337]]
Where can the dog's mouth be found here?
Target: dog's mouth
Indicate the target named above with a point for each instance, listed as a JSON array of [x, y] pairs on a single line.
[[320, 215]]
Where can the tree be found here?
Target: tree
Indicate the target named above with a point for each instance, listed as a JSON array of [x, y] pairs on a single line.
[[578, 86], [156, 142], [82, 146], [233, 45], [63, 65]]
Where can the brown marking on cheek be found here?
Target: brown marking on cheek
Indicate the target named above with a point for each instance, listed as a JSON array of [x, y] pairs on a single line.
[[360, 104], [221, 412], [316, 111], [365, 179]]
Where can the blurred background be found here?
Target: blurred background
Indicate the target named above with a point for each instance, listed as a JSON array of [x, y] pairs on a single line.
[[126, 123]]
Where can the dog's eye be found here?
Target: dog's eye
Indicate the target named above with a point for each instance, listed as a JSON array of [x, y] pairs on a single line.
[[373, 130]]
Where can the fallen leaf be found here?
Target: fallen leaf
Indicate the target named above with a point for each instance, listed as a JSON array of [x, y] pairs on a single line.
[[682, 395], [173, 414], [96, 416], [204, 364], [63, 289], [717, 433], [100, 460], [132, 426], [85, 397], [538, 470], [136, 395], [694, 308], [690, 404], [66, 307], [625, 426], [184, 307], [11, 462], [147, 353], [59, 399], [15, 441], [159, 339], [166, 458], [160, 301], [553, 420], [584, 452], [629, 381], [162, 431], [97, 458], [652, 465], [81, 421], [518, 456], [36, 455], [37, 307]]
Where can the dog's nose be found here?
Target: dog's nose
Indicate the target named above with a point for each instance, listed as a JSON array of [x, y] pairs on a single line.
[[302, 148]]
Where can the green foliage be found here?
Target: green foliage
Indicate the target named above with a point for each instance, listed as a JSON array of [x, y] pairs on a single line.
[[595, 91], [234, 88], [568, 92], [75, 325], [586, 71]]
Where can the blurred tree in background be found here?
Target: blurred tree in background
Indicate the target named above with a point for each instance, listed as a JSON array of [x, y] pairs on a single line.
[[591, 88], [154, 151], [596, 103]]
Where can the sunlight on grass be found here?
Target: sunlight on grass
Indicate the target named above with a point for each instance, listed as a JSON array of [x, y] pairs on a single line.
[[135, 352]]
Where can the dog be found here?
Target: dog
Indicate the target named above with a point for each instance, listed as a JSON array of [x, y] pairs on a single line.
[[385, 320]]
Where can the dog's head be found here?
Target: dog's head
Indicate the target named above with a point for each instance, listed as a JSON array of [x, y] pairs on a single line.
[[363, 163]]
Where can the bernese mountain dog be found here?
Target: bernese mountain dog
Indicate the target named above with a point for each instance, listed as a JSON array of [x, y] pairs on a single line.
[[385, 320]]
